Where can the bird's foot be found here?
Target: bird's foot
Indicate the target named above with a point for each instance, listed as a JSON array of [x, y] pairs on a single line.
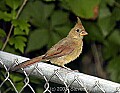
[[66, 68], [69, 69]]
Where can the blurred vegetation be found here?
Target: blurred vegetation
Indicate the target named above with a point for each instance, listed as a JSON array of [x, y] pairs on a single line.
[[30, 28]]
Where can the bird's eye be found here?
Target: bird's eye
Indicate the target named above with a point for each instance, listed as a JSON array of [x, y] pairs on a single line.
[[78, 30]]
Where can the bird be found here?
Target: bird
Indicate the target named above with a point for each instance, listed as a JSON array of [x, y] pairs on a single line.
[[63, 52]]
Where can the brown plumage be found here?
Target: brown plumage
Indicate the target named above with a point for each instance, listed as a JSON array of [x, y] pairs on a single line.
[[65, 51]]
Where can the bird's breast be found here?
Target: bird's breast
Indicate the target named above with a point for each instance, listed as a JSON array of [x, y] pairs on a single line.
[[73, 55], [68, 58]]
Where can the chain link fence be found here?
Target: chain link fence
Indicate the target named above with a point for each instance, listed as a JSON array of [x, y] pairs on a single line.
[[72, 80]]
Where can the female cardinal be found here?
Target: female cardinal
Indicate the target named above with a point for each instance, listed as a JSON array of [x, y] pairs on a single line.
[[65, 51]]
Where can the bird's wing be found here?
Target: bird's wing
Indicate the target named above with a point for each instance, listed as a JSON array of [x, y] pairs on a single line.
[[62, 49]]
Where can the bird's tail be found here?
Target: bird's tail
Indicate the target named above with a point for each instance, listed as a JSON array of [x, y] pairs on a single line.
[[28, 63]]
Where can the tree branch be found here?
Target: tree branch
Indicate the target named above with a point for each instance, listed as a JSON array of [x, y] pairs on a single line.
[[99, 68]]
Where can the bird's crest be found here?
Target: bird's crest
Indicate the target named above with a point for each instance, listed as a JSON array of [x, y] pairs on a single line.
[[78, 20]]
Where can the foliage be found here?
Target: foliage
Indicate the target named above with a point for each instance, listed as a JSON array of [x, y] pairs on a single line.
[[42, 23], [21, 27]]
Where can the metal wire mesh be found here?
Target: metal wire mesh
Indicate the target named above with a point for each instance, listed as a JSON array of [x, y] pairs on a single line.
[[72, 81]]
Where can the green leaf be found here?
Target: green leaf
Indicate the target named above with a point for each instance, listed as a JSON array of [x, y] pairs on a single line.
[[19, 86], [22, 24], [16, 78], [14, 4], [38, 38], [106, 24], [54, 38], [37, 12], [39, 90], [62, 30], [2, 33], [5, 16], [59, 18], [48, 9], [64, 5], [11, 41], [110, 2], [104, 10], [18, 31], [114, 69], [83, 8], [109, 50], [13, 13], [106, 21], [114, 38], [94, 32], [3, 5], [116, 13], [35, 80], [12, 49], [1, 44], [19, 42]]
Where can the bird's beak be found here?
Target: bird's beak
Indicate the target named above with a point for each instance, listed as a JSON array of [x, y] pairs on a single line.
[[83, 33]]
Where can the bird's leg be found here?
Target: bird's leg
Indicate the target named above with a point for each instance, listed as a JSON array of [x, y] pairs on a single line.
[[69, 69], [66, 67]]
